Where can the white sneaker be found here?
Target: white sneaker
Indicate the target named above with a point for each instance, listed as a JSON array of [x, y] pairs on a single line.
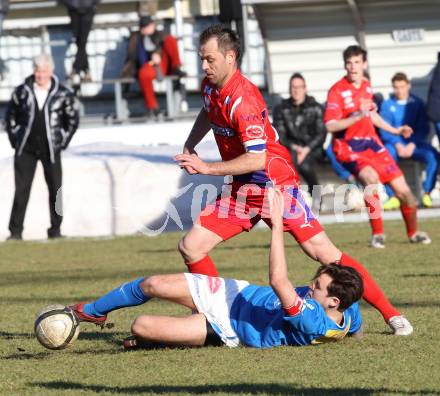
[[400, 325], [420, 237], [378, 241]]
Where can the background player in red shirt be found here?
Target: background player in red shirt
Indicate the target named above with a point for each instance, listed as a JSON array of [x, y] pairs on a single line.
[[251, 153], [351, 116]]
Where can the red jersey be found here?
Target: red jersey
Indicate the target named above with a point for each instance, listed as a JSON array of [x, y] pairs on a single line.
[[343, 101], [239, 119]]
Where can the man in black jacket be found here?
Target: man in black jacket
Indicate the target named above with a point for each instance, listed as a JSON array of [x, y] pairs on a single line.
[[299, 123], [41, 118]]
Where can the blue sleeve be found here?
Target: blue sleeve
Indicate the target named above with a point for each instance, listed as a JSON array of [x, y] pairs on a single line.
[[142, 55], [311, 318], [343, 173], [387, 115], [356, 318], [421, 127]]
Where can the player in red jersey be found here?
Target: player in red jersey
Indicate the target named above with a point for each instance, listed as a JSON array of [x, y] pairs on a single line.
[[236, 112], [351, 116]]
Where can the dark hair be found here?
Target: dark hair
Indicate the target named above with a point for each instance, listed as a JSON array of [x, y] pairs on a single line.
[[367, 75], [296, 75], [354, 50], [227, 39], [145, 20], [400, 77], [346, 284]]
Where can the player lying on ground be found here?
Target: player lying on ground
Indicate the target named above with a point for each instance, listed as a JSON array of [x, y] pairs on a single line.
[[234, 312], [236, 112]]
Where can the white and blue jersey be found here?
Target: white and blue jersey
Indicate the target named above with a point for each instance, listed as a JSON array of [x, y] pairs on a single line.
[[410, 112], [261, 322]]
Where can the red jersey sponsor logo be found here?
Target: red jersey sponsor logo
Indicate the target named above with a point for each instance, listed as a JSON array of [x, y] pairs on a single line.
[[254, 132]]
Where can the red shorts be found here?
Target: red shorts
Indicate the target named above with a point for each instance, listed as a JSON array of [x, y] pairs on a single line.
[[241, 206], [374, 155]]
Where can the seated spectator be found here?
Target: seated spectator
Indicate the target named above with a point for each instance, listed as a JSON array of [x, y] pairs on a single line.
[[298, 121], [433, 105], [402, 108], [4, 7], [152, 54], [81, 13]]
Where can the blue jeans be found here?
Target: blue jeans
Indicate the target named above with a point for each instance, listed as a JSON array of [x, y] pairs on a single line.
[[426, 154], [343, 173]]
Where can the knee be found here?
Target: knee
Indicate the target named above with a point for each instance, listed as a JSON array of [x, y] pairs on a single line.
[[323, 251], [151, 285], [183, 248], [405, 195], [139, 325], [369, 179], [146, 72], [189, 249]]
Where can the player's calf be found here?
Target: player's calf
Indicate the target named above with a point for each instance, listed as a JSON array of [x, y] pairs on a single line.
[[406, 197]]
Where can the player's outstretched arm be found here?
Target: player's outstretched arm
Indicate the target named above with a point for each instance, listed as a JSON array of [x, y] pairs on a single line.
[[405, 130], [278, 277], [366, 107]]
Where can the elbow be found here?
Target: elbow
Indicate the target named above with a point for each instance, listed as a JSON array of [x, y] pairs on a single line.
[[262, 161], [330, 128]]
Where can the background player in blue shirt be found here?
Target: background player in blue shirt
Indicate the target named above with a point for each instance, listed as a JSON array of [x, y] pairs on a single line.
[[234, 312], [405, 108]]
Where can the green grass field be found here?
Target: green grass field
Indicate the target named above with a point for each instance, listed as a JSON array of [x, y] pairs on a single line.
[[33, 275]]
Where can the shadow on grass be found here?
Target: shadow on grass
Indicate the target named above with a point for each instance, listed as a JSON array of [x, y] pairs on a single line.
[[48, 354], [221, 247], [50, 276], [5, 335], [422, 275], [27, 356], [255, 389], [111, 338], [418, 304]]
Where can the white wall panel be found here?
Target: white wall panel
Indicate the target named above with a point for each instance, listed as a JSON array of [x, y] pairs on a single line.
[[309, 37]]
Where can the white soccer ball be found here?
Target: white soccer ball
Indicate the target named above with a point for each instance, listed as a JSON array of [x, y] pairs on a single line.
[[355, 199], [56, 327]]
